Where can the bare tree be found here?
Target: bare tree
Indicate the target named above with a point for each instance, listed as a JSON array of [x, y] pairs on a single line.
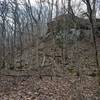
[[91, 14], [3, 15]]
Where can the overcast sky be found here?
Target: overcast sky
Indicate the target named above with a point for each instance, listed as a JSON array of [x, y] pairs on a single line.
[[75, 4]]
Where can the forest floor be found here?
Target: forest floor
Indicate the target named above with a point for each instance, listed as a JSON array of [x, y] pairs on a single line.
[[59, 88], [71, 85]]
